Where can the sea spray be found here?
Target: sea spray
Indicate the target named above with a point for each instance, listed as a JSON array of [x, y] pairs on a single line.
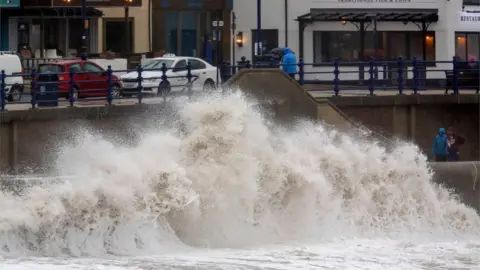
[[225, 176]]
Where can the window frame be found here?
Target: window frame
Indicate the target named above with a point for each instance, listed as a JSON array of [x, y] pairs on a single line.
[[409, 35], [131, 21]]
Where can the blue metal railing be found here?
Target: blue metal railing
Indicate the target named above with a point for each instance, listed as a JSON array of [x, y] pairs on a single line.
[[370, 76], [399, 75], [46, 88]]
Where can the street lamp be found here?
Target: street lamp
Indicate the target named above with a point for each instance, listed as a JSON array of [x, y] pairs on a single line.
[[84, 54], [128, 3]]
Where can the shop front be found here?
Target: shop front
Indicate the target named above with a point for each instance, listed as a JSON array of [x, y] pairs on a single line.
[[188, 28], [467, 35]]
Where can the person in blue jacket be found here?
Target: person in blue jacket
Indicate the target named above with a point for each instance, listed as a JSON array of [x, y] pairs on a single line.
[[440, 146], [289, 62]]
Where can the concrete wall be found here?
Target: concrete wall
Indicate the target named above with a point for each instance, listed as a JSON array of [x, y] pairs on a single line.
[[420, 122]]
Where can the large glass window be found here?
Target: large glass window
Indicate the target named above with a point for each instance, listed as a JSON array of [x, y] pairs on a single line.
[[467, 46], [346, 45], [115, 35]]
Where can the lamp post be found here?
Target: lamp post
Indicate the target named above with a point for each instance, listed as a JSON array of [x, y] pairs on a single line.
[[127, 25], [85, 30], [259, 27]]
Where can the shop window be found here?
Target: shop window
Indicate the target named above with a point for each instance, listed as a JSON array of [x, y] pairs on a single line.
[[467, 46], [346, 46], [114, 31]]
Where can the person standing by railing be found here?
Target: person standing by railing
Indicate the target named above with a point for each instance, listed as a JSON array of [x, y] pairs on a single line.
[[440, 146], [289, 63], [454, 142]]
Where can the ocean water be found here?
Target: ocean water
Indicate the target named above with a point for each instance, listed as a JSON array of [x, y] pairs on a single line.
[[222, 187]]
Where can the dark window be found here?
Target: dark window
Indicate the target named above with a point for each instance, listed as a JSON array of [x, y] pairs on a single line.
[[467, 46], [269, 39], [75, 68], [115, 35], [180, 65], [92, 68], [346, 45], [50, 68], [471, 2], [195, 64]]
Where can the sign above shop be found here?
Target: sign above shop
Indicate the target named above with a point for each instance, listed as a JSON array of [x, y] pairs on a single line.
[[376, 1], [78, 3], [472, 18], [9, 3], [192, 4]]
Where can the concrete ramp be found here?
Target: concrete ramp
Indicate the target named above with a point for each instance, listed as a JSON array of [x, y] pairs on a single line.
[[462, 177], [286, 98], [282, 95]]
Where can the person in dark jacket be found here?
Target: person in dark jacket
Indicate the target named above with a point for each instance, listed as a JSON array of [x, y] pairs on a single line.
[[289, 62], [454, 142], [440, 146]]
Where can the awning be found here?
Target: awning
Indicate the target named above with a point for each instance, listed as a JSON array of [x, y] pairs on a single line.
[[361, 14], [55, 12]]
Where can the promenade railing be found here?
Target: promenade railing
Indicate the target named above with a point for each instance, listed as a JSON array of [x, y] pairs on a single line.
[[399, 75], [48, 88]]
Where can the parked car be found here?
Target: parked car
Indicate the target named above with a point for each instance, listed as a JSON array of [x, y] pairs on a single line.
[[12, 65], [204, 76], [90, 80]]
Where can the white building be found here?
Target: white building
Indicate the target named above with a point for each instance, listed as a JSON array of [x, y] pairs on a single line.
[[344, 29]]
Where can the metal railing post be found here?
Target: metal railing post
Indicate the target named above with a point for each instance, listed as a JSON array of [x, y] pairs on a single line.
[[109, 85], [336, 77], [2, 91], [189, 79], [301, 72], [415, 75], [33, 88], [164, 83], [371, 79], [400, 76], [455, 76], [139, 84], [71, 92]]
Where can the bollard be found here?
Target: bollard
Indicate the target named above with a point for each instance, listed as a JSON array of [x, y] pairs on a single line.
[[139, 84], [415, 75], [33, 88], [301, 72], [189, 79], [455, 76], [371, 79], [109, 85], [71, 92], [248, 64], [336, 80], [400, 76], [2, 91], [163, 87]]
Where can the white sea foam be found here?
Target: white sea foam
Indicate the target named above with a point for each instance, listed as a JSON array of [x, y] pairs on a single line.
[[225, 177]]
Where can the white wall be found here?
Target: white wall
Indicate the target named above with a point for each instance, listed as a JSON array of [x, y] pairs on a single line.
[[273, 18]]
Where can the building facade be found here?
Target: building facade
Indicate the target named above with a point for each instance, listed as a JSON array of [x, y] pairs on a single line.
[[320, 31]]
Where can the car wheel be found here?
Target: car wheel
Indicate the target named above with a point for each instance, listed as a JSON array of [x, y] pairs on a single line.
[[209, 85], [164, 89], [15, 93], [116, 91]]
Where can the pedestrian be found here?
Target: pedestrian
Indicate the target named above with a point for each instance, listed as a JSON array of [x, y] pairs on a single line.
[[440, 146], [454, 141], [289, 63]]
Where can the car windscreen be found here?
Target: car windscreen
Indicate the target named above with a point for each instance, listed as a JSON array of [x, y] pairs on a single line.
[[157, 64], [50, 68]]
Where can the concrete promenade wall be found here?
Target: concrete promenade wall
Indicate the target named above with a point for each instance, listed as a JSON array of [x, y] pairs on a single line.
[[418, 117]]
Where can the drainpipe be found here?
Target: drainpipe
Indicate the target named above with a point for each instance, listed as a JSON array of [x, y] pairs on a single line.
[[149, 25], [286, 23]]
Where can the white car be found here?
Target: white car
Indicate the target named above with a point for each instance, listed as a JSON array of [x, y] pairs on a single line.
[[204, 76]]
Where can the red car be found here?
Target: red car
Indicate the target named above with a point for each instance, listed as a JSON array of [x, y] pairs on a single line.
[[94, 84]]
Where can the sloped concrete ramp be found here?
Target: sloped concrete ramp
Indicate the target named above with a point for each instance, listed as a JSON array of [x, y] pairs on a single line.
[[286, 98]]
